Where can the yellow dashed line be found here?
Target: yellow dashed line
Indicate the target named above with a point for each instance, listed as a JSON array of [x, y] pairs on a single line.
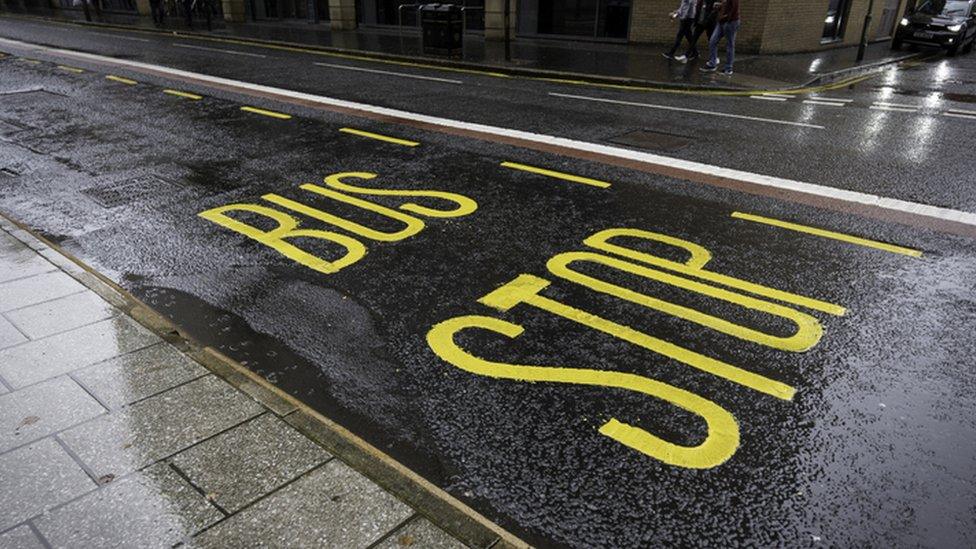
[[829, 234], [67, 68], [121, 80], [183, 94], [31, 61], [379, 137], [557, 175], [272, 114]]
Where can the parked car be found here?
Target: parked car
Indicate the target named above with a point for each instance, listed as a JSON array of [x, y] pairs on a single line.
[[950, 24]]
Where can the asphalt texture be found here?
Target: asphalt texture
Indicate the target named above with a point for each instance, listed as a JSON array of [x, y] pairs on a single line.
[[876, 447]]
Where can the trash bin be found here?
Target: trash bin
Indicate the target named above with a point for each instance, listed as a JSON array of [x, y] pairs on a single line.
[[442, 26]]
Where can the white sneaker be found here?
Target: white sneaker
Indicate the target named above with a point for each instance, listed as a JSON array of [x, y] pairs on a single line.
[[681, 59]]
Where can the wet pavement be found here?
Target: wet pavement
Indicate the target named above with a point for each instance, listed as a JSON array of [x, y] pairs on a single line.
[[112, 437], [636, 62], [693, 377]]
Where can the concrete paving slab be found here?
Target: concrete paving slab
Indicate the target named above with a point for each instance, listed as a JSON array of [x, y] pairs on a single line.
[[40, 410], [160, 426], [19, 261], [36, 478], [9, 335], [21, 537], [139, 374], [22, 292], [62, 314], [56, 355], [420, 533], [333, 506], [30, 240], [152, 508], [245, 463], [61, 261]]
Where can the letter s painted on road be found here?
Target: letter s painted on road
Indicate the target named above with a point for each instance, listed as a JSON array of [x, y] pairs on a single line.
[[723, 431]]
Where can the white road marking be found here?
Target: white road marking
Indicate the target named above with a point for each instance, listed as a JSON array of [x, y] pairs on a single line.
[[832, 99], [897, 105], [962, 111], [768, 98], [770, 182], [957, 115], [822, 102], [218, 50], [892, 109], [781, 95], [120, 37], [403, 74], [682, 109]]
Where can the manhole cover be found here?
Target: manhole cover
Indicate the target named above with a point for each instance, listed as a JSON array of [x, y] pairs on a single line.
[[648, 139], [127, 191]]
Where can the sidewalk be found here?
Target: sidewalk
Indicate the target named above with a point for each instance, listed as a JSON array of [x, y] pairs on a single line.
[[636, 64], [111, 435]]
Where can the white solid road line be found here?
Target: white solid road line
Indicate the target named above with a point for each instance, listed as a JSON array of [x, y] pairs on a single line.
[[823, 102], [402, 74], [218, 50], [890, 205], [782, 95], [962, 111], [768, 97], [682, 109], [120, 37]]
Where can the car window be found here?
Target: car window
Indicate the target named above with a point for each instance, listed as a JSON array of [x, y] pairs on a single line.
[[947, 8]]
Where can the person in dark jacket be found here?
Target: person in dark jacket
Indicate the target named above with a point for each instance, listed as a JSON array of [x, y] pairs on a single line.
[[728, 26], [685, 14], [705, 21]]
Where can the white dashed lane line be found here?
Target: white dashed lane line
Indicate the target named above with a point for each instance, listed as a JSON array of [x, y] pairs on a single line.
[[229, 52], [768, 97], [389, 73], [824, 103]]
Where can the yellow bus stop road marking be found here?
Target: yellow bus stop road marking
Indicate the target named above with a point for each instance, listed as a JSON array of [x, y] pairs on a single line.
[[379, 137], [557, 175], [67, 68], [272, 114], [121, 80], [186, 95], [829, 234]]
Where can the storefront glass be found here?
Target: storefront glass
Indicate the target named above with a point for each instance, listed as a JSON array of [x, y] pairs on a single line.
[[586, 18]]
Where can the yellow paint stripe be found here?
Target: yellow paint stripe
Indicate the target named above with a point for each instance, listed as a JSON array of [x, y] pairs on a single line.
[[829, 234], [379, 137], [272, 114], [186, 95], [121, 80], [67, 68], [557, 175]]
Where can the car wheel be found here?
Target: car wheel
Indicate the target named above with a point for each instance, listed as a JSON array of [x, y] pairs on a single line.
[[969, 46], [953, 50], [896, 44]]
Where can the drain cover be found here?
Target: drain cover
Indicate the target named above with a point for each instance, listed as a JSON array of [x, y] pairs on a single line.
[[127, 191], [648, 139]]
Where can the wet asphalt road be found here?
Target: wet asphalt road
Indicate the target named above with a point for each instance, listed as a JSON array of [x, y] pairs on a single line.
[[875, 448]]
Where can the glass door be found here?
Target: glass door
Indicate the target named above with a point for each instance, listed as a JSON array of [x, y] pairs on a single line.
[[836, 20]]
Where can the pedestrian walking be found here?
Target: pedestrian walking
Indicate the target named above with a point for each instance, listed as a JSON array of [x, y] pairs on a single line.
[[706, 18], [728, 26], [158, 12], [685, 14]]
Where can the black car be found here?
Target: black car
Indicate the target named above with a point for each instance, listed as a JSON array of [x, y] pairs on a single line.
[[950, 24]]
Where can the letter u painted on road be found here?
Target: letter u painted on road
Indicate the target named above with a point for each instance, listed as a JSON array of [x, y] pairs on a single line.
[[719, 445]]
